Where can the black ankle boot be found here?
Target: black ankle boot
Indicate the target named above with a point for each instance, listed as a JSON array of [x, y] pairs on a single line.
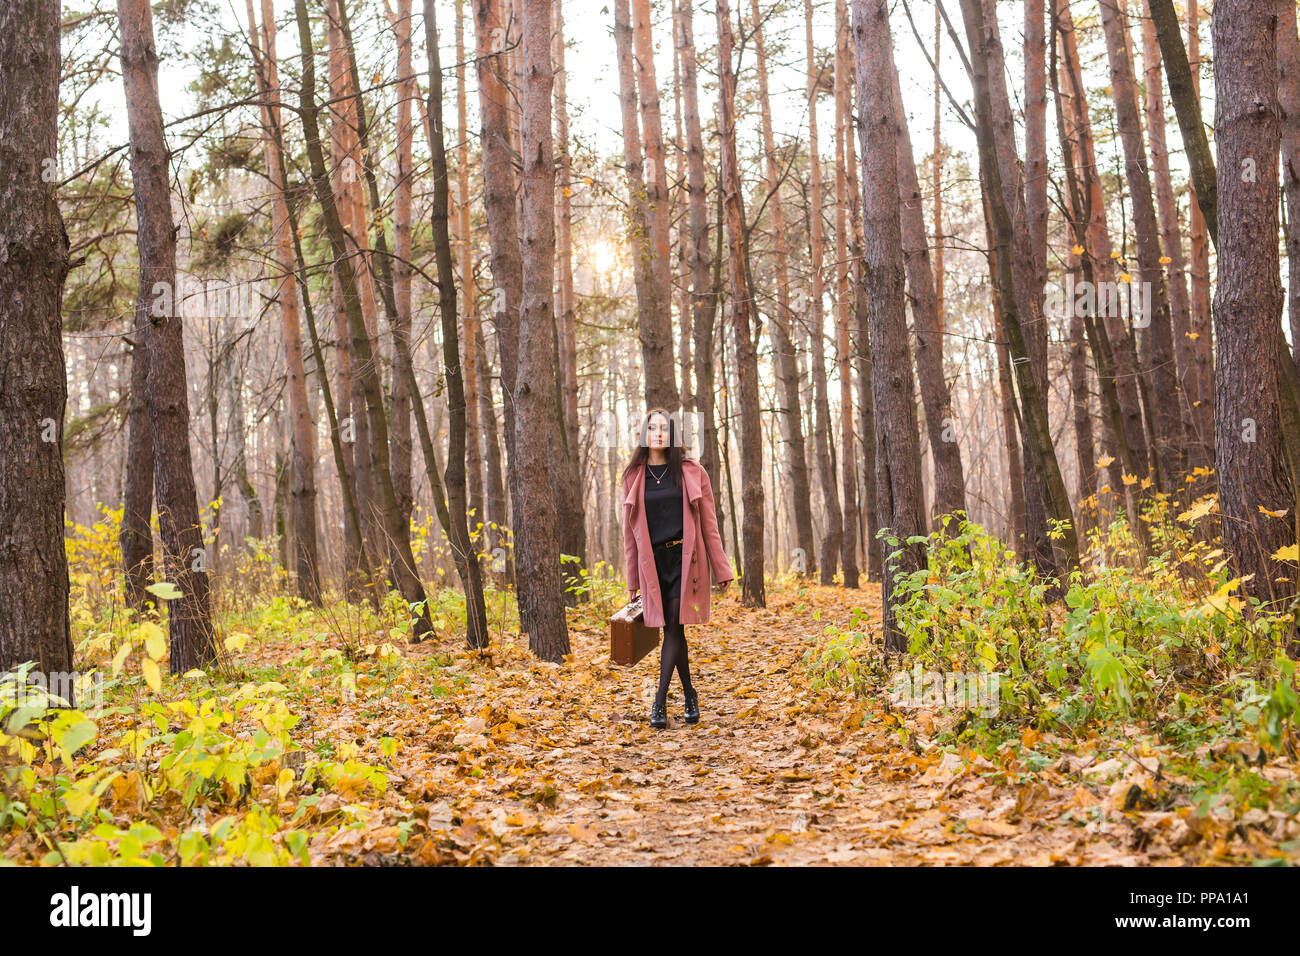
[[658, 715], [692, 706]]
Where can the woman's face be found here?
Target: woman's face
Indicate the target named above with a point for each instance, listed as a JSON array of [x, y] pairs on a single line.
[[657, 432]]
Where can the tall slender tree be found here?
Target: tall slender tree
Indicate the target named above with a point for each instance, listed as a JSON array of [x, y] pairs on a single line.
[[822, 438], [190, 619], [898, 451], [34, 623], [397, 532], [1250, 453], [535, 391], [782, 319], [741, 301], [303, 465], [940, 421]]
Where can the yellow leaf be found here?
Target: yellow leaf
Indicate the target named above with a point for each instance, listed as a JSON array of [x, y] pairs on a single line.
[[284, 782], [1114, 255], [1193, 336], [1290, 553], [1199, 510], [236, 641], [149, 667], [1077, 250], [155, 642], [1272, 514], [119, 658], [1129, 479], [1165, 260], [1105, 461], [1125, 277]]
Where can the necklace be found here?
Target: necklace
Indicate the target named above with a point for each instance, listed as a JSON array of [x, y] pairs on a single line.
[[658, 478]]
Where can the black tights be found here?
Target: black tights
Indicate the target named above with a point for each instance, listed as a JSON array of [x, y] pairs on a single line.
[[672, 653]]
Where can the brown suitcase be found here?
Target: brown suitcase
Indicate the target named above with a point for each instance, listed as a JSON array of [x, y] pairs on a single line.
[[629, 638]]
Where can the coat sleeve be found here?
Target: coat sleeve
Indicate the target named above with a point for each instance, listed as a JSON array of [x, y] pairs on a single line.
[[712, 540], [629, 551]]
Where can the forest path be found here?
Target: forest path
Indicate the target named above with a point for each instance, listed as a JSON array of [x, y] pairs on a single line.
[[536, 763]]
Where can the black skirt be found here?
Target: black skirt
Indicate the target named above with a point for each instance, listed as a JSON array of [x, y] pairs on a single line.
[[668, 564]]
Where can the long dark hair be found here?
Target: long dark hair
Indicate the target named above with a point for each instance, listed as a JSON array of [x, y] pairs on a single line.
[[676, 454]]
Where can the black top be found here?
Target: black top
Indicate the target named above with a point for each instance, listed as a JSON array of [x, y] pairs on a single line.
[[663, 505]]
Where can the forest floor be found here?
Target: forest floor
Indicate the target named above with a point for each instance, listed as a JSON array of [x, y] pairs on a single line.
[[430, 754], [522, 762]]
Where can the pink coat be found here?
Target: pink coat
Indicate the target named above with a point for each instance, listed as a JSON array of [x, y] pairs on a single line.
[[701, 545]]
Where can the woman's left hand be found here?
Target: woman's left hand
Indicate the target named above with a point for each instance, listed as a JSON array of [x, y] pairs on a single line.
[[723, 585]]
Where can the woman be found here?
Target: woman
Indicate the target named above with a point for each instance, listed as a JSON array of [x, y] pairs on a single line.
[[670, 527]]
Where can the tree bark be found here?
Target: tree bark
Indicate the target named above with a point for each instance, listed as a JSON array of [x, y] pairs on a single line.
[[898, 451], [1170, 453], [34, 623], [190, 620], [1024, 271], [534, 394], [302, 483], [1199, 453], [1250, 455], [753, 591], [830, 548], [402, 567], [452, 511], [653, 313], [1288, 93], [782, 318], [566, 473], [844, 296], [703, 268], [402, 446], [499, 188], [1033, 400], [940, 422], [137, 488]]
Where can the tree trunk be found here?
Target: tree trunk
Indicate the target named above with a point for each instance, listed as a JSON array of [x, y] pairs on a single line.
[[653, 313], [940, 422], [470, 323], [822, 438], [703, 267], [1288, 93], [1199, 267], [1024, 271], [566, 475], [782, 319], [137, 492], [898, 451], [1076, 124], [657, 207], [348, 163], [403, 566], [192, 641], [844, 297], [1033, 400], [1199, 454], [401, 393], [303, 481], [452, 513], [753, 591], [499, 188], [534, 393], [1250, 455], [34, 624], [1170, 453]]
